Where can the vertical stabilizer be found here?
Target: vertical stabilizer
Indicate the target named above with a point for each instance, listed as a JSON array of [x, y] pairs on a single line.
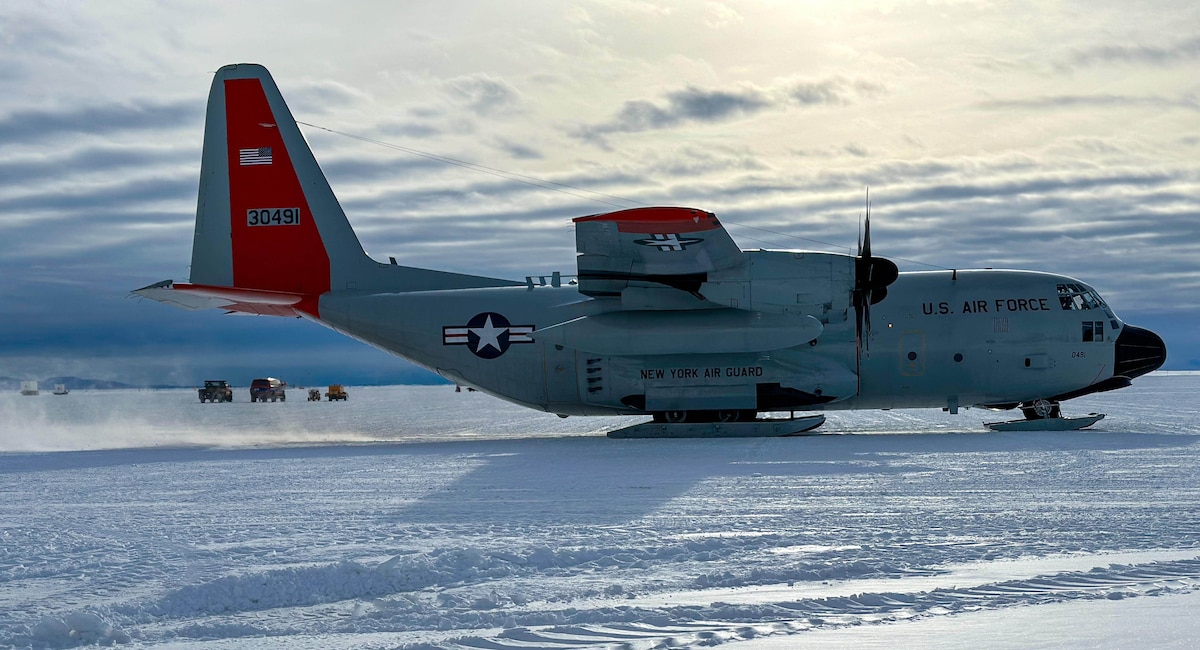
[[267, 219]]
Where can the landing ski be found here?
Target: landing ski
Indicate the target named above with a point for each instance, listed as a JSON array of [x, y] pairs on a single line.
[[771, 428], [1047, 424]]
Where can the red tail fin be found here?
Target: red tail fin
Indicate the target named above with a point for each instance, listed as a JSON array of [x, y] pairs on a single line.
[[276, 243]]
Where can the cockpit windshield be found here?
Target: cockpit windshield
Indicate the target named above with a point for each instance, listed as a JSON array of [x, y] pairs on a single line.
[[1079, 296]]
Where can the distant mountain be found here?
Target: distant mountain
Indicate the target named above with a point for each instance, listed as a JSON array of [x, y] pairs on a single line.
[[72, 383], [78, 383]]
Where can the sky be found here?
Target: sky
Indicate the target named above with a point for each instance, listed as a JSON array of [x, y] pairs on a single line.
[[1056, 136]]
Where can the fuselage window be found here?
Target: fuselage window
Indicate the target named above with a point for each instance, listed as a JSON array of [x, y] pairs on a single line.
[[1093, 331]]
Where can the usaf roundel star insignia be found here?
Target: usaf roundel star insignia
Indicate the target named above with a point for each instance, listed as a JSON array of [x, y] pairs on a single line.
[[487, 335]]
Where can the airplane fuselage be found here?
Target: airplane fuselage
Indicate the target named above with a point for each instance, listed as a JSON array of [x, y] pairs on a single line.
[[940, 339]]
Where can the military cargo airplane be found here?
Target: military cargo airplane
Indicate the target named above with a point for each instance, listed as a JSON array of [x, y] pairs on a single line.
[[665, 317]]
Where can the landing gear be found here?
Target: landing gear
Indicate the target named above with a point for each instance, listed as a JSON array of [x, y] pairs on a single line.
[[671, 416], [1044, 415], [727, 415], [742, 415], [1040, 410]]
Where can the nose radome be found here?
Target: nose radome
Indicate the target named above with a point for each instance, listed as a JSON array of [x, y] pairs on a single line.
[[1138, 352]]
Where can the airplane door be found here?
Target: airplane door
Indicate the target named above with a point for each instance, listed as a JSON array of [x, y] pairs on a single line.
[[912, 353]]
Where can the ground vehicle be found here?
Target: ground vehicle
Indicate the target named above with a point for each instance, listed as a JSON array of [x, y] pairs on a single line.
[[314, 395], [215, 390], [336, 392], [267, 388]]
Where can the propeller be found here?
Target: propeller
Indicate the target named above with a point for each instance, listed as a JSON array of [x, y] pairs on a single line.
[[872, 275]]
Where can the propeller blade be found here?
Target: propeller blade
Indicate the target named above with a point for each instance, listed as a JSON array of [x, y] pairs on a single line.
[[872, 277], [867, 325], [858, 251], [866, 241]]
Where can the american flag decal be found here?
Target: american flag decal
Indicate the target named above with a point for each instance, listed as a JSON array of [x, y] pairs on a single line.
[[259, 156]]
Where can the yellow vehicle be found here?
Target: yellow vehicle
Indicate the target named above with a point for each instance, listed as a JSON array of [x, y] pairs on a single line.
[[336, 392]]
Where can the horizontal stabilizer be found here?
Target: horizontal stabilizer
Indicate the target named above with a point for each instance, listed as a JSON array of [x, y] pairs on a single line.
[[247, 301]]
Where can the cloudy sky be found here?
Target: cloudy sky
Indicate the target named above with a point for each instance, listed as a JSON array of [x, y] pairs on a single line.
[[1059, 136]]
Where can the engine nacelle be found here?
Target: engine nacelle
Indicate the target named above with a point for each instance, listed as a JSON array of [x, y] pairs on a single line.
[[820, 285]]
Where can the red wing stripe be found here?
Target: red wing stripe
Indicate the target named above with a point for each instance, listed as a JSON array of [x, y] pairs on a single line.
[[658, 220]]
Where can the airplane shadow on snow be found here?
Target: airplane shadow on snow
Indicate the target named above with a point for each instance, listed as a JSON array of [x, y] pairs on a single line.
[[592, 480], [597, 481]]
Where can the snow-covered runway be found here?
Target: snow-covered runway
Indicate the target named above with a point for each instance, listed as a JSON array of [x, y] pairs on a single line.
[[418, 517]]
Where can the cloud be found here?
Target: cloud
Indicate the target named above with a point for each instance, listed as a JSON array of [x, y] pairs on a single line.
[[713, 106], [835, 91], [22, 171], [1055, 102], [517, 150], [344, 171], [113, 198], [410, 129], [1156, 55], [323, 96], [698, 105], [1027, 186], [690, 104], [441, 198], [854, 149], [718, 15], [695, 162], [31, 125], [484, 95]]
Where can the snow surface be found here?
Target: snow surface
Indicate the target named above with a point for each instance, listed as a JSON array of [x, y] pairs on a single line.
[[417, 517]]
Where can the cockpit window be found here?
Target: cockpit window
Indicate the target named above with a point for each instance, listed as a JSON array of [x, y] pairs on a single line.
[[1078, 296]]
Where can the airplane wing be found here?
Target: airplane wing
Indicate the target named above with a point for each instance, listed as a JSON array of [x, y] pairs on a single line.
[[653, 246], [658, 261]]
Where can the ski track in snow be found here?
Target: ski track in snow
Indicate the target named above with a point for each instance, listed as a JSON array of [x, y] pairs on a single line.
[[412, 517]]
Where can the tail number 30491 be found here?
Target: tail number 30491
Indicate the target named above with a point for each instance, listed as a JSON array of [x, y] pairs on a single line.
[[273, 217]]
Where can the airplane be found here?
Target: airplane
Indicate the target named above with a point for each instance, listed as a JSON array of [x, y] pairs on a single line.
[[666, 316]]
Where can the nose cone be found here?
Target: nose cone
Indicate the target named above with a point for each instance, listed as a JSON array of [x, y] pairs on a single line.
[[1139, 351]]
